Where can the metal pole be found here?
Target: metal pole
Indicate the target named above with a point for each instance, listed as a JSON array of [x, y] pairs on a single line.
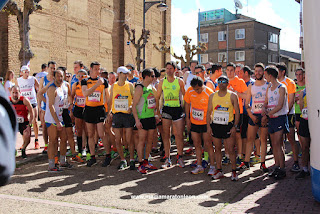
[[144, 27], [199, 35]]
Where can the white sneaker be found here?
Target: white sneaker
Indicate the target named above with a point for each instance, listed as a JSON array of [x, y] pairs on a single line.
[[234, 176], [199, 169], [84, 153], [217, 175], [211, 170], [180, 162], [166, 164]]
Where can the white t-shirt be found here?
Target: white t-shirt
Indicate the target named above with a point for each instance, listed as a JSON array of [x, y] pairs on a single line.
[[8, 85], [40, 75], [27, 88]]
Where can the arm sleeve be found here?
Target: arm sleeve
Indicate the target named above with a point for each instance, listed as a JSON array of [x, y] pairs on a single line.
[[84, 82]]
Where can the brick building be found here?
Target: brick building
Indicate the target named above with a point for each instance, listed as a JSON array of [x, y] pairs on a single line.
[[237, 38], [89, 30]]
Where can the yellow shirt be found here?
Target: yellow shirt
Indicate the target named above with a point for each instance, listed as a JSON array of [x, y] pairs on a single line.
[[122, 98], [222, 109]]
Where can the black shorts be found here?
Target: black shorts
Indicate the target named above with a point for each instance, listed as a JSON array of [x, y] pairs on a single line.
[[94, 114], [278, 123], [240, 122], [122, 120], [66, 118], [304, 128], [259, 122], [298, 116], [221, 131], [292, 120], [23, 126], [198, 128], [148, 123], [34, 105], [172, 113], [78, 112], [244, 127]]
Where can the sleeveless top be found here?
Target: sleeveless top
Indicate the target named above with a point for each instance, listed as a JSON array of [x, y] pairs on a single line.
[[304, 111], [222, 109], [96, 98], [58, 105], [273, 100], [171, 92], [65, 90], [80, 99], [122, 98], [27, 88], [21, 110], [147, 103], [45, 82], [258, 97]]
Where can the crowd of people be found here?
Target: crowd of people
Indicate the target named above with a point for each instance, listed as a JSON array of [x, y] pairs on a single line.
[[133, 114]]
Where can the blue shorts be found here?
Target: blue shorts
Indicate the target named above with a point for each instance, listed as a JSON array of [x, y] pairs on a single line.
[[49, 124], [259, 122], [278, 123]]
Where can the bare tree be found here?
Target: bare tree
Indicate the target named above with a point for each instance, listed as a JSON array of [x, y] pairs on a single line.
[[29, 6], [137, 44], [191, 51]]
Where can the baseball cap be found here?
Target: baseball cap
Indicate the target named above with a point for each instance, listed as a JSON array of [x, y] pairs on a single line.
[[123, 69], [24, 67], [223, 78], [130, 65]]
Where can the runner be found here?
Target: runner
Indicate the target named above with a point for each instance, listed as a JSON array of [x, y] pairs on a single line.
[[94, 89], [28, 86], [9, 82], [238, 68], [172, 113], [291, 89], [196, 106], [77, 65], [188, 76], [23, 107], [200, 72], [256, 95], [304, 133], [112, 78], [276, 109], [300, 86], [215, 73], [131, 76], [54, 122], [144, 108], [223, 111], [43, 72], [120, 112]]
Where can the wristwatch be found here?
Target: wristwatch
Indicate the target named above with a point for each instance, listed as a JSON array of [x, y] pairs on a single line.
[[236, 126]]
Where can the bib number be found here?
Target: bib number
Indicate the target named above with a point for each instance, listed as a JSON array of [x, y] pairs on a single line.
[[81, 101], [197, 114], [257, 107], [94, 97], [121, 104], [304, 113], [60, 110], [20, 119], [151, 102], [221, 117]]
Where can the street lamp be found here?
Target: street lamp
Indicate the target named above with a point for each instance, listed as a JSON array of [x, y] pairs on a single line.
[[146, 6]]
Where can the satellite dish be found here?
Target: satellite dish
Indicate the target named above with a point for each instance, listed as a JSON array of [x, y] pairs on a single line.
[[238, 4]]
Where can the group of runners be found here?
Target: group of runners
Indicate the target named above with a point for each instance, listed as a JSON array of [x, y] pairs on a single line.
[[125, 111]]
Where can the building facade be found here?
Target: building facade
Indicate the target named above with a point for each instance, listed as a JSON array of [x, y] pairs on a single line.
[[87, 30], [237, 38]]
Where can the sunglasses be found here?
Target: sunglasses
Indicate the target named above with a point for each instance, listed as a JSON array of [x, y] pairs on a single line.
[[222, 81], [78, 76]]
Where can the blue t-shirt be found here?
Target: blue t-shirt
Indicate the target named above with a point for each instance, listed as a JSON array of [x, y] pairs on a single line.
[[133, 80], [74, 79]]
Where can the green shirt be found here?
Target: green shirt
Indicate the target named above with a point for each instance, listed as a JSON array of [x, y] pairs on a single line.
[[147, 103], [171, 92], [299, 90]]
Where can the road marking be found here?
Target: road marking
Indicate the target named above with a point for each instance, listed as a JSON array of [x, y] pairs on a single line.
[[65, 204]]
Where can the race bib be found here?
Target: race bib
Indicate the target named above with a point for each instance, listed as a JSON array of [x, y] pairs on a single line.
[[95, 96], [197, 114], [257, 107], [20, 119], [151, 102], [270, 108], [60, 110], [26, 94], [81, 101], [304, 113], [221, 117], [121, 104]]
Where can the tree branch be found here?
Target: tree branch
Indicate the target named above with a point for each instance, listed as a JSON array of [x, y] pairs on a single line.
[[12, 8]]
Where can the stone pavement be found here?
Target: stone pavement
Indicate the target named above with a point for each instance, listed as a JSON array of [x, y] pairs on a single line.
[[105, 190]]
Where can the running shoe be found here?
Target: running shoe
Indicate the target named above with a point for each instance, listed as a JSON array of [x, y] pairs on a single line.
[[36, 145], [106, 162], [114, 154], [264, 168], [166, 164], [273, 171], [142, 169], [217, 175], [254, 160], [199, 169], [84, 153], [243, 166], [88, 156], [225, 160], [302, 174], [122, 165], [55, 169], [280, 174], [163, 157], [126, 153], [23, 153], [204, 164], [180, 161], [234, 176], [238, 161], [69, 153], [295, 168], [211, 171], [194, 164], [66, 165], [77, 159], [132, 165], [45, 150], [103, 153], [189, 152], [56, 160], [91, 162], [270, 152], [100, 143], [149, 166]]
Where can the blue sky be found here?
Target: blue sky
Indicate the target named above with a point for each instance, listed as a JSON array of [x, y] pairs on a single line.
[[279, 13]]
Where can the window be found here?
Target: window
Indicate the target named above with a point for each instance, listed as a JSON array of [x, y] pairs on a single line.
[[273, 38], [222, 36], [273, 58], [204, 37], [240, 55], [222, 57], [240, 33], [203, 58]]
